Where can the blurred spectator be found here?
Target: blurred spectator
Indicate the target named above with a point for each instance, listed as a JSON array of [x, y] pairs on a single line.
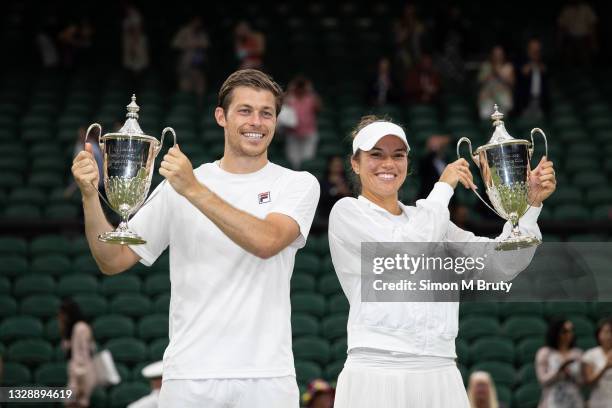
[[154, 373], [301, 143], [597, 366], [135, 42], [577, 36], [481, 391], [451, 33], [250, 46], [78, 344], [79, 145], [318, 395], [532, 84], [496, 78], [382, 90], [423, 81], [75, 43], [432, 164], [558, 367], [192, 41], [47, 48], [334, 186], [408, 30]]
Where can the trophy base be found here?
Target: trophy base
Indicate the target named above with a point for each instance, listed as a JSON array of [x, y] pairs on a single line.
[[519, 242], [121, 238]]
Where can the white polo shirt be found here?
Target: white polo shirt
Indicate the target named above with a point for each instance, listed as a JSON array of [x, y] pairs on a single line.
[[230, 314], [419, 328]]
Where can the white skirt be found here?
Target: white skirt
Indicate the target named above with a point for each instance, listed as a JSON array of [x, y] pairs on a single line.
[[383, 379]]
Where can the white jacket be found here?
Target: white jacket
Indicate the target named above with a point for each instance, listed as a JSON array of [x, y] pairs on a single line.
[[420, 328]]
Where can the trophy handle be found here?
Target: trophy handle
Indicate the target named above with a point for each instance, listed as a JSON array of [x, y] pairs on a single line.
[[89, 129], [167, 129], [538, 130], [477, 161]]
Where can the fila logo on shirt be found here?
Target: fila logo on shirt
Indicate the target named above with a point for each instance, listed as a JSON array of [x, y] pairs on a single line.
[[264, 197]]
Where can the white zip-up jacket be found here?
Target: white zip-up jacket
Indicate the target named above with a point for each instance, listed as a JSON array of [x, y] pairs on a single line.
[[420, 328]]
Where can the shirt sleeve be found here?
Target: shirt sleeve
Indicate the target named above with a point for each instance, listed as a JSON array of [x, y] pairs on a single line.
[[299, 200], [152, 222]]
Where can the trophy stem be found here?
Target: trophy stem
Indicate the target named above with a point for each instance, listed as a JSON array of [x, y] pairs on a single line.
[[517, 240], [122, 235]]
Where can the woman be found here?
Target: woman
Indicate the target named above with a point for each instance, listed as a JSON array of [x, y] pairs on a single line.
[[78, 344], [481, 391], [402, 354], [558, 367], [597, 366], [496, 78]]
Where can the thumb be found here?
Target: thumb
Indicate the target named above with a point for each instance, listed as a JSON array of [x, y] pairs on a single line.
[[88, 148]]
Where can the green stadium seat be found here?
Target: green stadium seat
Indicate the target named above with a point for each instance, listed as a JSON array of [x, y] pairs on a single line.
[[30, 352], [44, 179], [586, 342], [153, 326], [77, 284], [311, 348], [91, 305], [132, 305], [302, 282], [552, 309], [42, 306], [575, 164], [13, 265], [157, 348], [602, 310], [565, 195], [111, 326], [5, 285], [33, 284], [308, 302], [52, 331], [338, 304], [8, 306], [157, 284], [307, 371], [27, 195], [304, 325], [51, 375], [85, 263], [502, 373], [462, 350], [12, 246], [122, 283], [508, 309], [527, 373], [471, 309], [127, 350], [127, 392], [527, 349], [520, 327], [571, 212], [307, 263], [583, 327], [162, 304], [329, 285], [527, 395], [22, 211], [15, 374], [504, 395], [65, 211], [590, 180], [50, 244], [492, 349], [20, 327], [334, 326], [11, 179], [54, 264], [332, 370], [471, 328], [124, 372]]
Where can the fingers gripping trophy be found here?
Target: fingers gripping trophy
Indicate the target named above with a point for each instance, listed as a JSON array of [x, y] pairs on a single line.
[[504, 164], [129, 159]]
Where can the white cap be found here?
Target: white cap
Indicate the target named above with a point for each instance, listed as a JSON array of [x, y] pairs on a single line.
[[153, 370], [367, 137]]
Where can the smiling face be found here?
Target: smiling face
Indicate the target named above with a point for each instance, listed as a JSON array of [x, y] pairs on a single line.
[[248, 122], [382, 170]]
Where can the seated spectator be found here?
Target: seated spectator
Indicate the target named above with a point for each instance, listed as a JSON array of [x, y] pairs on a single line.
[[481, 391], [558, 367], [78, 344], [597, 367], [577, 36], [496, 78], [301, 143], [334, 186], [192, 41], [250, 46], [382, 90], [318, 395], [423, 81], [135, 43], [532, 84]]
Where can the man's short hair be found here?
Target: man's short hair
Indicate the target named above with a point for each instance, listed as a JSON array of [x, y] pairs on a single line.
[[251, 78]]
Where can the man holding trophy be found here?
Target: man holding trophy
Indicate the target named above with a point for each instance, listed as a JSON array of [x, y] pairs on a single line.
[[233, 228]]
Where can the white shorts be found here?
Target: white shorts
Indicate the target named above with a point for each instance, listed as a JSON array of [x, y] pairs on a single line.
[[275, 392], [428, 382]]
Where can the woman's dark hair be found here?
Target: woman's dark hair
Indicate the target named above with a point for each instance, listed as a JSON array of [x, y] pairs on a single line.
[[600, 325], [72, 312], [554, 331]]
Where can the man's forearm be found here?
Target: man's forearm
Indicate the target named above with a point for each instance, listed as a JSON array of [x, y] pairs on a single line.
[[252, 234]]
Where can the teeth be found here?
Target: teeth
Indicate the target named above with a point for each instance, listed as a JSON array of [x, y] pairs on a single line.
[[386, 176], [253, 135]]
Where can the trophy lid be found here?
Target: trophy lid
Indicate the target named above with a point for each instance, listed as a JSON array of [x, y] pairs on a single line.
[[131, 127], [500, 134]]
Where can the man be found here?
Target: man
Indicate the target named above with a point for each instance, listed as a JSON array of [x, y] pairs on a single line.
[[154, 373], [233, 228]]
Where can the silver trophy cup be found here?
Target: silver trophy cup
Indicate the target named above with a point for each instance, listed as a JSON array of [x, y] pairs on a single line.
[[504, 164], [129, 159]]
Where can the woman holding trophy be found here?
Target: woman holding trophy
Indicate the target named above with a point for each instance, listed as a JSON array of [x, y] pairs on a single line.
[[402, 354]]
